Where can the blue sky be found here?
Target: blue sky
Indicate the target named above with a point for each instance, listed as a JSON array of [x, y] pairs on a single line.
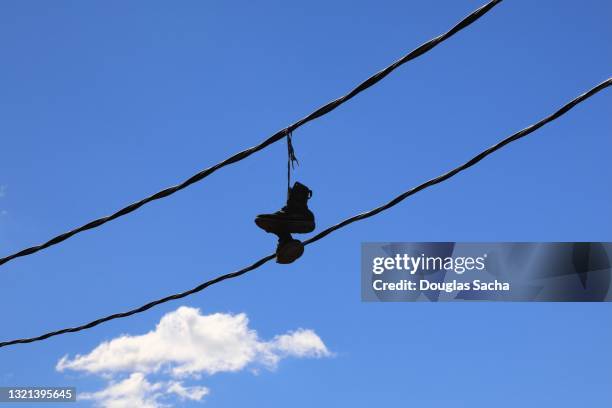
[[105, 102]]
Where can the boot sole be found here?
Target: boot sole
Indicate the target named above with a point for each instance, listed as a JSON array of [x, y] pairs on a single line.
[[276, 226], [289, 251]]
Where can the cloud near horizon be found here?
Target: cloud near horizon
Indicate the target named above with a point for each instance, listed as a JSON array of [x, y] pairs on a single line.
[[185, 345], [137, 391]]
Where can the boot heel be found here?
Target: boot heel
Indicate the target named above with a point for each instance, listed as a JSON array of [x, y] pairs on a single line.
[[288, 251]]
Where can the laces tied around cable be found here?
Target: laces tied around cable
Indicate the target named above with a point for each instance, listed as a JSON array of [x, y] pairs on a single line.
[[291, 159]]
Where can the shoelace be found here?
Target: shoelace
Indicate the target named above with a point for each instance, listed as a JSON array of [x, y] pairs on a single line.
[[291, 160]]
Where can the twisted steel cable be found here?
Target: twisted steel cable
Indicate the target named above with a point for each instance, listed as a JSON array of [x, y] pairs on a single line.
[[518, 135], [330, 106]]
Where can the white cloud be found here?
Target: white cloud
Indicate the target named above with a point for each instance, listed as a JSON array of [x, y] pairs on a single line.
[[185, 344], [136, 391], [194, 393], [300, 343], [188, 343]]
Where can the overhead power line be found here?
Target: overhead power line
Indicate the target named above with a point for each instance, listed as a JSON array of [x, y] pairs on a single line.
[[518, 135], [330, 106]]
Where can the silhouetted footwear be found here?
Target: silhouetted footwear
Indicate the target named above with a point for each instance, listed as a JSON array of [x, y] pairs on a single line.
[[295, 217], [288, 250]]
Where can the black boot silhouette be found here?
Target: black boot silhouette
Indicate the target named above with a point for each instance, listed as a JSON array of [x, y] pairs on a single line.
[[295, 217]]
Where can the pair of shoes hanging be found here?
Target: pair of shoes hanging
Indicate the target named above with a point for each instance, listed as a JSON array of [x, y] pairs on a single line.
[[293, 218]]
